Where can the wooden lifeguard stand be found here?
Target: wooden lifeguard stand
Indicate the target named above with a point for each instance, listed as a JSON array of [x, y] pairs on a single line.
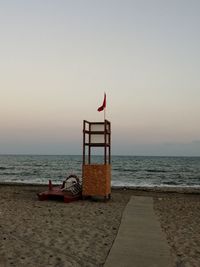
[[96, 177]]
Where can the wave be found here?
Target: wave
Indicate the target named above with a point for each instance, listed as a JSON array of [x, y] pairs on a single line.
[[3, 168], [129, 170], [154, 170], [171, 183], [9, 173], [125, 170], [6, 168], [39, 165]]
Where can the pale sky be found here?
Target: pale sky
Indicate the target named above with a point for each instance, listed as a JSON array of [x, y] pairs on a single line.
[[58, 57]]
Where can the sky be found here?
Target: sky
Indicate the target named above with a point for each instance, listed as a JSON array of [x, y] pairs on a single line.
[[59, 57]]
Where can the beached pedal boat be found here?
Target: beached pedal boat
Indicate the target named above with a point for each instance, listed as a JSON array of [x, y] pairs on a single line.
[[68, 192]]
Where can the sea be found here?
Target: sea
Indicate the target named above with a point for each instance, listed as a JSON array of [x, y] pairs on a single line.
[[127, 171]]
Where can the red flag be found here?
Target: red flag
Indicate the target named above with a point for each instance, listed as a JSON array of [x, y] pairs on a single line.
[[101, 108]]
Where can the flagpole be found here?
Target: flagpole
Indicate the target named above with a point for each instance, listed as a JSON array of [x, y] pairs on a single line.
[[105, 106]]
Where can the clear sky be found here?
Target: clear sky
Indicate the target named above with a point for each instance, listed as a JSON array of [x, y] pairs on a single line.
[[58, 57]]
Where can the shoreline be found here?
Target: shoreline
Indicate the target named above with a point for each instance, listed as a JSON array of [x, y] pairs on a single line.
[[159, 189]]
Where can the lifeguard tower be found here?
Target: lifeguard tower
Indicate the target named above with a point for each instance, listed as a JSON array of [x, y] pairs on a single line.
[[96, 176]]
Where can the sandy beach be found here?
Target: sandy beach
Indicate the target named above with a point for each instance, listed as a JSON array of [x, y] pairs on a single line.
[[179, 215], [51, 233]]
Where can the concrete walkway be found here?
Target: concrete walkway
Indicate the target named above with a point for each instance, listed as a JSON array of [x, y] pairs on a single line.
[[140, 241]]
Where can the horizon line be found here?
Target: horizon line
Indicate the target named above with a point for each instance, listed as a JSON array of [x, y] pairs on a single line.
[[115, 155]]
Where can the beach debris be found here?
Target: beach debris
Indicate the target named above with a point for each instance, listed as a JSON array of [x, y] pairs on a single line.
[[70, 190], [72, 184]]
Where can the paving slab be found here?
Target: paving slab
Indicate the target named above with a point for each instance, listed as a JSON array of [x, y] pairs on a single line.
[[140, 241]]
